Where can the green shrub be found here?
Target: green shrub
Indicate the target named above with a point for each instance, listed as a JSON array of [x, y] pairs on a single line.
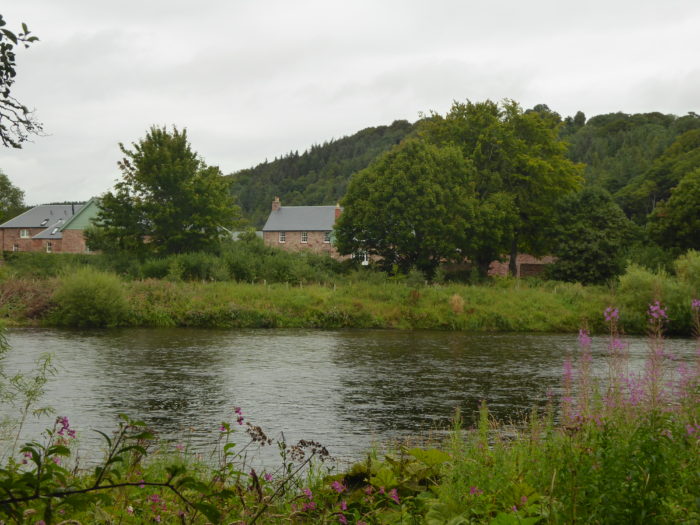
[[89, 298], [688, 270], [640, 287]]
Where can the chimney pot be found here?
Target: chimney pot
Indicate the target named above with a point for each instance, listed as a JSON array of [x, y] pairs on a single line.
[[338, 211], [276, 204]]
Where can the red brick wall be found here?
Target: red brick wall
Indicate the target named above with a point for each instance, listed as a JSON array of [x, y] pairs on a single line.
[[73, 241], [11, 236]]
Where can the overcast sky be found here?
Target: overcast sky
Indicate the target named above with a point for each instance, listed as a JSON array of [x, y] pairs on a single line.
[[255, 79]]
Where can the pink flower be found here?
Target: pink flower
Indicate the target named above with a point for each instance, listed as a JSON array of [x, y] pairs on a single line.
[[338, 486], [695, 305], [369, 490], [611, 314], [342, 519], [267, 477], [475, 491], [343, 505], [238, 411], [56, 460], [308, 493], [180, 447], [583, 338], [311, 505], [393, 494], [155, 498]]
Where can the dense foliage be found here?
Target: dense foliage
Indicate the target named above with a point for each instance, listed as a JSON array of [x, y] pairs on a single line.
[[11, 199], [412, 208], [318, 176], [168, 201]]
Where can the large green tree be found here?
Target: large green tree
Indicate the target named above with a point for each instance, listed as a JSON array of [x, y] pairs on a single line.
[[589, 234], [675, 223], [519, 159], [11, 199], [413, 207], [168, 201], [17, 121]]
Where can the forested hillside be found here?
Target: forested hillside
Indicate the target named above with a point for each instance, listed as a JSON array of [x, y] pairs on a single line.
[[638, 158], [316, 177]]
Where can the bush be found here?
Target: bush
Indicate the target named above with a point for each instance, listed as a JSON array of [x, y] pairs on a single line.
[[688, 270], [89, 298]]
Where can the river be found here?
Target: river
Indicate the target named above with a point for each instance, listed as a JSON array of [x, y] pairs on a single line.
[[345, 389]]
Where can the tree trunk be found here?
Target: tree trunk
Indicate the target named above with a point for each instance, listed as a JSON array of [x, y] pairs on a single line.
[[513, 263]]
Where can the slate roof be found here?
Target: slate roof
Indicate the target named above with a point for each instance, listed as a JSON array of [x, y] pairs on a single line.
[[44, 216], [301, 218]]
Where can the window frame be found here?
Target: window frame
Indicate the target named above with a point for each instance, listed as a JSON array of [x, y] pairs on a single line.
[[24, 233], [305, 237], [327, 237], [282, 237], [49, 247]]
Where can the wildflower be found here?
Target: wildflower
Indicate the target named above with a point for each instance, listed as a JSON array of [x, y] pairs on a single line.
[[611, 314], [583, 338], [222, 428], [338, 486], [267, 477], [695, 305], [656, 311], [342, 519], [523, 500], [381, 490], [311, 505], [56, 460], [156, 518], [308, 493], [155, 498], [514, 508], [130, 509], [141, 484], [617, 344], [369, 490], [238, 411], [239, 420], [343, 505], [393, 494], [475, 491]]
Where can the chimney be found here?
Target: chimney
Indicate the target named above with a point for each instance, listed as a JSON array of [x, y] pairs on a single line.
[[276, 205], [72, 208], [338, 211]]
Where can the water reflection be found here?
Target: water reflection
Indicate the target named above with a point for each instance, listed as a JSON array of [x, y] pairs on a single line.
[[345, 389]]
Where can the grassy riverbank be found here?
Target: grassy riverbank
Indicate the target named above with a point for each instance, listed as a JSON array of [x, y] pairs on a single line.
[[81, 295]]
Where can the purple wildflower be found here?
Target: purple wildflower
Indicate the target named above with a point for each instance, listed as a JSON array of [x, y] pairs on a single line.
[[583, 338], [611, 314], [311, 505], [267, 477], [475, 491], [338, 487], [342, 519], [307, 492], [656, 311], [393, 494], [343, 505], [695, 305]]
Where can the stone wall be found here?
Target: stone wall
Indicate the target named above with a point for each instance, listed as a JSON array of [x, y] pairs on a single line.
[[315, 243]]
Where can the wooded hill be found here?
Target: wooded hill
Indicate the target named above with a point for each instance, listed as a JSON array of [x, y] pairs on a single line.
[[638, 158]]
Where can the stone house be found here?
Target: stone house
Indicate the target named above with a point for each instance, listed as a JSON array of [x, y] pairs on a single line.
[[50, 228], [299, 228]]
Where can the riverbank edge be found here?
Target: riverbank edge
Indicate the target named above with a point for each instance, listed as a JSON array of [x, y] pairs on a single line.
[[510, 306]]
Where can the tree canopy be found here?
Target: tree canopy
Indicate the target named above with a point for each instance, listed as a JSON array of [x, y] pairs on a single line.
[[520, 163], [412, 207], [675, 223], [589, 234], [11, 199], [17, 122], [168, 201]]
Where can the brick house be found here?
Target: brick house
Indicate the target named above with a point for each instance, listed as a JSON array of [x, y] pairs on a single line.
[[298, 228], [51, 228]]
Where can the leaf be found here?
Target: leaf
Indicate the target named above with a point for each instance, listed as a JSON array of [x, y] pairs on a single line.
[[431, 457], [58, 450], [137, 448], [107, 438], [209, 510]]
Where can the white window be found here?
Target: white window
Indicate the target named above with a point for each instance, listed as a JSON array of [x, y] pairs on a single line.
[[24, 234], [326, 236], [304, 236], [15, 247], [49, 247], [283, 236]]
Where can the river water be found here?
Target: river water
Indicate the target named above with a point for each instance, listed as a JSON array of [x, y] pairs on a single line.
[[346, 389]]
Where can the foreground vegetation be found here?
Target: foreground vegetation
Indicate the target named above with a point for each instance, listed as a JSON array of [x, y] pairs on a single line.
[[625, 449], [264, 288]]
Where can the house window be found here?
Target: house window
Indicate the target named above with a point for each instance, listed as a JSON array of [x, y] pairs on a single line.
[[304, 236], [326, 236], [15, 247], [24, 234], [49, 247], [283, 236]]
